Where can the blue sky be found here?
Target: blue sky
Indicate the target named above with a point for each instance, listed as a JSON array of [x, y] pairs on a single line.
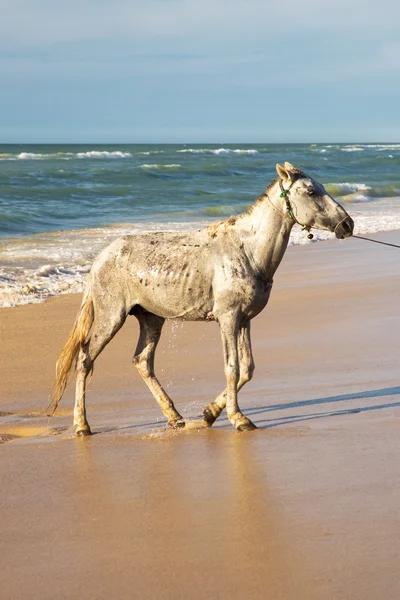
[[199, 71]]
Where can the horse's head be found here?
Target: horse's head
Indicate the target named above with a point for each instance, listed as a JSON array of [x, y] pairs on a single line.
[[310, 205]]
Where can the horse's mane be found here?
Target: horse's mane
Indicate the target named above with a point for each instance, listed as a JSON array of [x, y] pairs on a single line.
[[221, 225], [224, 225]]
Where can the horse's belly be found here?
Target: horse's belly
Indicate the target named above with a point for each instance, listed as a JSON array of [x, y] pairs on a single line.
[[176, 299], [258, 299], [171, 311]]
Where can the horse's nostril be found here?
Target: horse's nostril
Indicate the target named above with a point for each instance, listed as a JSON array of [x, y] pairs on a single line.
[[344, 228], [350, 225]]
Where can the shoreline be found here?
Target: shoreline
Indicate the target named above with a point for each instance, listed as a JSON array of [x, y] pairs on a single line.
[[46, 265], [305, 507]]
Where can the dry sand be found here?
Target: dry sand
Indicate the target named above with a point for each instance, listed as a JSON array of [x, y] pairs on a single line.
[[304, 508]]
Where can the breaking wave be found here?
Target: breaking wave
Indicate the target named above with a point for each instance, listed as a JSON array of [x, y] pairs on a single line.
[[65, 155], [354, 191], [352, 149], [218, 151], [103, 154], [157, 166]]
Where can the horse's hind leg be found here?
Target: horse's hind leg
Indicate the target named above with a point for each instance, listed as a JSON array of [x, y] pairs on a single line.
[[84, 367], [104, 328], [150, 331], [246, 370]]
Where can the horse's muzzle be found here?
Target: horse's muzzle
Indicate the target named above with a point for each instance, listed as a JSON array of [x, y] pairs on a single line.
[[344, 228]]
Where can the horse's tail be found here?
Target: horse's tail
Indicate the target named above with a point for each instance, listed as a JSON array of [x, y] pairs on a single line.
[[74, 343]]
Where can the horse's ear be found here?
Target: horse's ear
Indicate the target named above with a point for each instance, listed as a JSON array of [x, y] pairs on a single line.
[[282, 172], [293, 172]]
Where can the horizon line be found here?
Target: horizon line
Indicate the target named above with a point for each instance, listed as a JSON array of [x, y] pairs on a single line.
[[38, 143]]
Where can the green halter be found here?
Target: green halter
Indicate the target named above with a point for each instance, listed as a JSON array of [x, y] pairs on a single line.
[[285, 194]]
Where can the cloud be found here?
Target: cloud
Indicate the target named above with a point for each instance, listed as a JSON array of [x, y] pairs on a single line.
[[330, 41], [41, 22], [323, 58]]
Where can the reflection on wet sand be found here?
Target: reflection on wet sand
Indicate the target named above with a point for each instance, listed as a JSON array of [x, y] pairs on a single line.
[[179, 516]]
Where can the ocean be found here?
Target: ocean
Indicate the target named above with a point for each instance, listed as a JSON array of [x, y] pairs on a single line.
[[61, 204]]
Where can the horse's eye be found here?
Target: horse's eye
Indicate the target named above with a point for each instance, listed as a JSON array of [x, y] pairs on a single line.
[[311, 192]]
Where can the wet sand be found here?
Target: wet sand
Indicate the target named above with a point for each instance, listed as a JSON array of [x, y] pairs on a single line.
[[306, 507]]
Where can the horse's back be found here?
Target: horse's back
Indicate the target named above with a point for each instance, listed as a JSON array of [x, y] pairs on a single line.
[[168, 273]]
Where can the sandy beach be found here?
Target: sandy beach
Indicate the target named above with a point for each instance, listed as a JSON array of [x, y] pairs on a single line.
[[306, 507]]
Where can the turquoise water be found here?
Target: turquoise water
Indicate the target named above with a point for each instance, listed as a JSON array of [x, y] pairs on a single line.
[[61, 204], [57, 187]]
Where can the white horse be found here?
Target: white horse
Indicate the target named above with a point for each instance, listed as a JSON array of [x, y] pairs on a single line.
[[222, 273]]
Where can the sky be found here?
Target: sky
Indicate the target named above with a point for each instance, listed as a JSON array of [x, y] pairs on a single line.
[[179, 71]]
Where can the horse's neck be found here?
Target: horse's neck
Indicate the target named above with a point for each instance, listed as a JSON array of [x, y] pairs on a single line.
[[265, 234]]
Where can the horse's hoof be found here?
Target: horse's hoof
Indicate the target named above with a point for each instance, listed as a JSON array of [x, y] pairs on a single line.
[[177, 424], [209, 418], [83, 432], [249, 426]]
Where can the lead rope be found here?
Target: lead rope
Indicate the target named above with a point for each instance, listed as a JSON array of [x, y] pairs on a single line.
[[360, 237]]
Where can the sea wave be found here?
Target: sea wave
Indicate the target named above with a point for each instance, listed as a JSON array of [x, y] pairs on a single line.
[[65, 155], [30, 156], [42, 156], [352, 149], [218, 151], [157, 166], [381, 147], [363, 147], [149, 152], [361, 191], [35, 268], [103, 154], [342, 189]]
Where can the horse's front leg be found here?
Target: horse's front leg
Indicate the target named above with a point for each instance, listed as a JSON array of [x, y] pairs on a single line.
[[246, 370], [230, 334]]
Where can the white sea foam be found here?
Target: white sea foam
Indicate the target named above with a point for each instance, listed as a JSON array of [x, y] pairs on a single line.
[[157, 166], [362, 147], [120, 154], [352, 149], [149, 152], [66, 155], [29, 156], [40, 156], [382, 147], [219, 151], [35, 268], [202, 151], [103, 154]]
